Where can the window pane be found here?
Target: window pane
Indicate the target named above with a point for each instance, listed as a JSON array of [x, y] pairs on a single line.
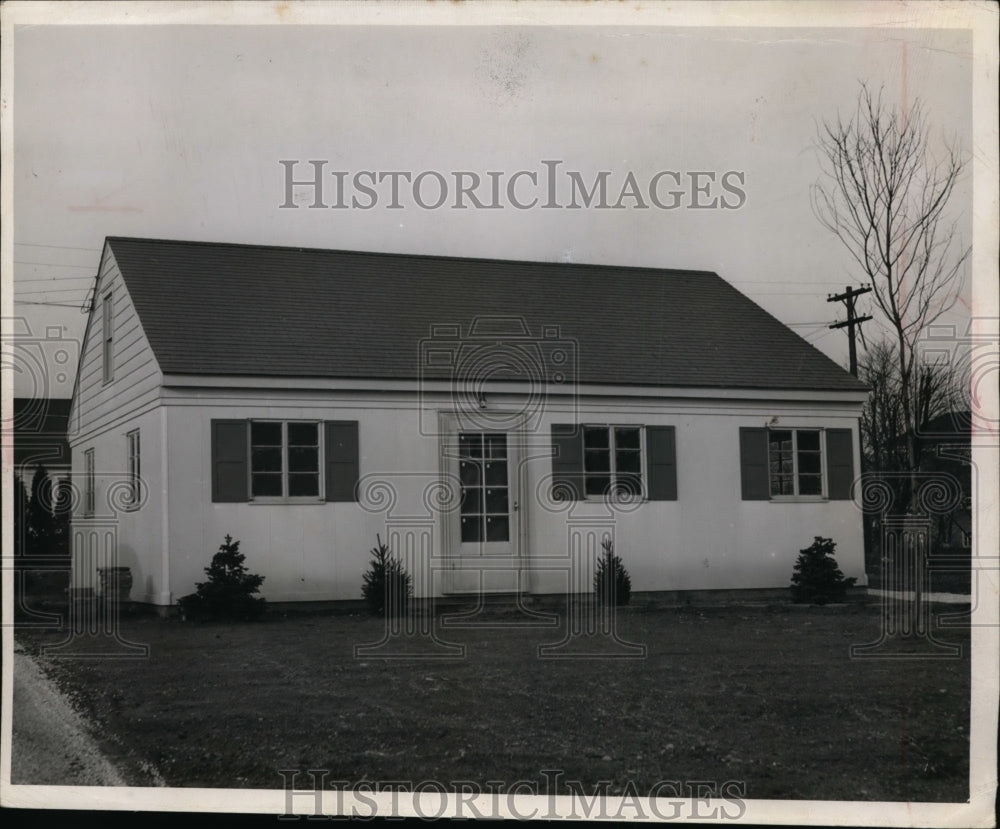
[[597, 460], [810, 485], [496, 473], [266, 484], [470, 445], [779, 440], [302, 434], [808, 440], [265, 434], [302, 485], [266, 460], [627, 438], [628, 486], [782, 485], [472, 500], [497, 528], [303, 459], [809, 463], [471, 528], [496, 500], [597, 484], [495, 446], [627, 461], [595, 437], [469, 473]]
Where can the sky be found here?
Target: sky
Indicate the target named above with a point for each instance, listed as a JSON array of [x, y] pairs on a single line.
[[178, 131]]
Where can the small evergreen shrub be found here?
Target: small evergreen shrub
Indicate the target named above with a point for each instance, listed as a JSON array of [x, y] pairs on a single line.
[[612, 584], [386, 585], [817, 579], [228, 593]]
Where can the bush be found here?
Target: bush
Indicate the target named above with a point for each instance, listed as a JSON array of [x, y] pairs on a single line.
[[387, 586], [228, 593], [612, 585], [817, 579]]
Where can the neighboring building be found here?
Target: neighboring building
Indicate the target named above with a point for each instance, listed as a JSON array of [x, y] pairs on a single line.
[[40, 437], [493, 419]]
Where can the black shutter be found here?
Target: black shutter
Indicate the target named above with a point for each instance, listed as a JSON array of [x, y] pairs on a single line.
[[340, 445], [839, 464], [753, 464], [229, 461], [662, 463], [567, 462]]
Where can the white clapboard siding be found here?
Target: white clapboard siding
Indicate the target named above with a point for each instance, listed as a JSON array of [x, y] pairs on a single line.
[[135, 386]]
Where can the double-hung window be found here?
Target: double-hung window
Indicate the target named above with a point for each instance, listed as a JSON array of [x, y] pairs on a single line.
[[592, 461], [795, 462], [612, 460], [107, 337], [134, 492], [89, 483], [284, 459]]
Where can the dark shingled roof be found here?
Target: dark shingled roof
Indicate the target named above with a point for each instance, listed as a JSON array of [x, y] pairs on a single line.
[[225, 309]]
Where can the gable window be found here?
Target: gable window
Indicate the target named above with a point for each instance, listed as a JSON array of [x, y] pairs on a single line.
[[795, 462], [107, 337], [132, 440], [89, 484], [284, 460], [595, 461]]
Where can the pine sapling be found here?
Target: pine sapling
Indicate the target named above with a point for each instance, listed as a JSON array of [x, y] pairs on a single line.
[[816, 578], [612, 584], [386, 586]]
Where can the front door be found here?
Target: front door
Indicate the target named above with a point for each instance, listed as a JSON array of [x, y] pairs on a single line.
[[485, 549]]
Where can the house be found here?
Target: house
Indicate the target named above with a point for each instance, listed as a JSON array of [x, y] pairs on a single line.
[[41, 506], [496, 420], [40, 437]]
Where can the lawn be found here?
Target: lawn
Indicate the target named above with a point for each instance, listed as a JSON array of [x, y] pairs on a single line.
[[767, 696]]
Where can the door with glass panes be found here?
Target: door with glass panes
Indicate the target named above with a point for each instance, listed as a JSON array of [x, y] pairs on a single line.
[[484, 538]]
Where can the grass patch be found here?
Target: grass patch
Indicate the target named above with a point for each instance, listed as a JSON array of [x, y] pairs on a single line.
[[765, 696]]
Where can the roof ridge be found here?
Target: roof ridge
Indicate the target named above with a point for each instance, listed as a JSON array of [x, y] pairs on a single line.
[[429, 256]]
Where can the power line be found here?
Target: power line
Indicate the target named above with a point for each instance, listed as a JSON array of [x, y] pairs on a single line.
[[52, 265], [18, 281], [57, 247], [52, 304]]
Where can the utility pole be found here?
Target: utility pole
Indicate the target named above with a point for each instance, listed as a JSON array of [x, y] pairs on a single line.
[[852, 321]]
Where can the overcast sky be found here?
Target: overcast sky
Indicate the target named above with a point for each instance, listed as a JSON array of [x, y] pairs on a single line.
[[177, 132]]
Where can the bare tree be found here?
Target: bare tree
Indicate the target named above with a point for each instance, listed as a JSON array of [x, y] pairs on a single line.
[[883, 192]]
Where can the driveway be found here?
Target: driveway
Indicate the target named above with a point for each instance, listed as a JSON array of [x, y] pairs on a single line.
[[51, 743]]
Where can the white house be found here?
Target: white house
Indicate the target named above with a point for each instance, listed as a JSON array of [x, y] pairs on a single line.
[[495, 420]]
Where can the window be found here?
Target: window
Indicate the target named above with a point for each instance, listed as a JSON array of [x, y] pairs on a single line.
[[275, 460], [593, 461], [795, 462], [107, 336], [284, 459], [612, 460], [789, 464], [134, 494], [89, 484]]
